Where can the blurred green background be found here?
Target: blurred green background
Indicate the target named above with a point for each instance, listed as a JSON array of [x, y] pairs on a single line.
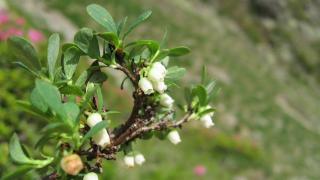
[[264, 55]]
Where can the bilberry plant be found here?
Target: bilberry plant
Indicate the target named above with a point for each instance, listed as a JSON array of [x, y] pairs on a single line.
[[78, 124]]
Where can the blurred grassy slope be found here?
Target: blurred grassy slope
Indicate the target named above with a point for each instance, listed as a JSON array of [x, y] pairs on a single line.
[[260, 101]]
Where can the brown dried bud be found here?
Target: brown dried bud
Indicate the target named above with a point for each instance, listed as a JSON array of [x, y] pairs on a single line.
[[71, 164]]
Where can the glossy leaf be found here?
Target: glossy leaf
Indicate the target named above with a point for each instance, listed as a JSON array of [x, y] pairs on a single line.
[[44, 140], [83, 38], [100, 99], [25, 52], [53, 53], [207, 111], [110, 37], [144, 16], [71, 90], [70, 61], [25, 67], [121, 25], [201, 93], [178, 51], [102, 16], [87, 42], [152, 45], [174, 73], [72, 110], [16, 152], [31, 109], [51, 96], [37, 101]]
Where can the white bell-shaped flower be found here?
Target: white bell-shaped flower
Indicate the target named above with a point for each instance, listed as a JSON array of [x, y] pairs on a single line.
[[91, 176], [159, 86], [102, 137], [139, 159], [157, 72], [94, 119], [174, 137], [206, 121], [166, 100], [159, 66], [146, 86], [129, 161]]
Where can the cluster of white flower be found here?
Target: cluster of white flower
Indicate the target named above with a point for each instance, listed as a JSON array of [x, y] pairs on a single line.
[[154, 80], [130, 160], [102, 137]]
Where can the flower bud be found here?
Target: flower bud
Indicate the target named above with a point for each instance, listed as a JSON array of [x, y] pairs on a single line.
[[91, 176], [159, 86], [102, 137], [129, 161], [206, 120], [139, 159], [146, 86], [157, 72], [71, 164], [166, 100], [174, 137]]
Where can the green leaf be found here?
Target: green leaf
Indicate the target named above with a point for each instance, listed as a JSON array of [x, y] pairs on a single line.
[[144, 16], [51, 96], [37, 101], [94, 49], [110, 37], [87, 42], [178, 51], [53, 53], [207, 111], [98, 77], [210, 87], [70, 61], [31, 109], [102, 16], [94, 130], [56, 127], [19, 172], [204, 74], [72, 110], [200, 92], [91, 90], [174, 73], [66, 46], [100, 99], [16, 152], [152, 45], [83, 38], [121, 25], [71, 90], [25, 67], [44, 140], [25, 52]]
